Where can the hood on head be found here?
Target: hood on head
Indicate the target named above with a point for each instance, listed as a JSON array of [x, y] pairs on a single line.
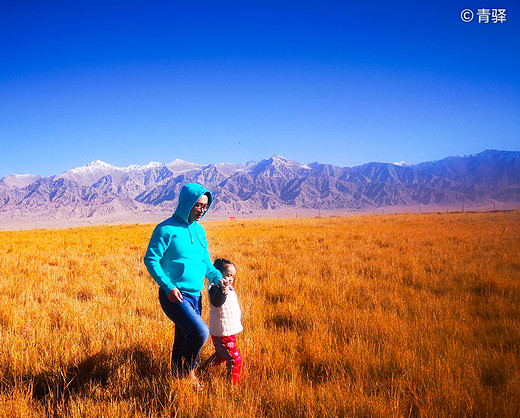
[[189, 195]]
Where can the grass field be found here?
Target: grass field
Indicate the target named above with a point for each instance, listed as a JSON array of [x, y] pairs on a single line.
[[395, 315]]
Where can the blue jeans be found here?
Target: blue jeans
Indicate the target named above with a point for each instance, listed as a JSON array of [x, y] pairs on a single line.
[[191, 332]]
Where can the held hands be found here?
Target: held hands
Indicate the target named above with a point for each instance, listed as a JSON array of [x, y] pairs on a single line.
[[175, 296], [225, 285]]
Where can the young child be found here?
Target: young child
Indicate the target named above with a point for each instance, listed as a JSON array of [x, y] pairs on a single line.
[[224, 321]]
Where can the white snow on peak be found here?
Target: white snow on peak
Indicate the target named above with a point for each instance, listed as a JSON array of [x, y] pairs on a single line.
[[19, 180], [95, 165], [135, 167], [98, 167], [278, 159], [99, 163], [179, 166], [402, 164], [23, 176], [178, 161], [232, 166], [90, 173]]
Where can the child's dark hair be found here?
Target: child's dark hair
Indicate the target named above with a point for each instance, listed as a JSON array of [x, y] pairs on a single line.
[[221, 264]]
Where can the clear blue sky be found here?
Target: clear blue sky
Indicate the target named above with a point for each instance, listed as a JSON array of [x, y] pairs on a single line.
[[342, 82]]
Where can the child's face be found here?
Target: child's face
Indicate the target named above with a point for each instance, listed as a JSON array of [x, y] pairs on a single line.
[[229, 274]]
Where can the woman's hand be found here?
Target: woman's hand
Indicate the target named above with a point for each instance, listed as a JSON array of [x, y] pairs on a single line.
[[175, 296]]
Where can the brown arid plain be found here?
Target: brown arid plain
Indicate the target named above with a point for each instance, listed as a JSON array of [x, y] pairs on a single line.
[[395, 315]]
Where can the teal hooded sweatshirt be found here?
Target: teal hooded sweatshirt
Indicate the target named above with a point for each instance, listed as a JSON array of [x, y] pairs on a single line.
[[177, 255]]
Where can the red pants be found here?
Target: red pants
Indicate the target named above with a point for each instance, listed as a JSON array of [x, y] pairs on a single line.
[[226, 351]]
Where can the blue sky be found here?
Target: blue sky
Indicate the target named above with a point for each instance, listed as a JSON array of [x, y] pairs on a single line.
[[341, 82]]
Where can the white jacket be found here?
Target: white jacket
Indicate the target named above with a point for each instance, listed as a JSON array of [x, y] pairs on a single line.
[[225, 321]]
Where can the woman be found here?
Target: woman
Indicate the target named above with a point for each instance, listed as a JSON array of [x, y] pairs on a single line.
[[178, 260]]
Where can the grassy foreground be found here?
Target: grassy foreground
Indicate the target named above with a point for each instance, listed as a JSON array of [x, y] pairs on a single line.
[[397, 315]]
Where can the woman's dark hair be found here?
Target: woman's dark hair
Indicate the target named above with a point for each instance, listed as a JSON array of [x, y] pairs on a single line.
[[221, 264]]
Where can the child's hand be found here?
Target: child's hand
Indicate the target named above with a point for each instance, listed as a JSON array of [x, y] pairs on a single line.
[[225, 286]]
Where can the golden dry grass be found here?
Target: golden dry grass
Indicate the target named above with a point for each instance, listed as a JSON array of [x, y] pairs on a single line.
[[397, 315]]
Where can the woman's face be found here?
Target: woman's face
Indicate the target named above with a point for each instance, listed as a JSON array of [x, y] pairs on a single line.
[[199, 208]]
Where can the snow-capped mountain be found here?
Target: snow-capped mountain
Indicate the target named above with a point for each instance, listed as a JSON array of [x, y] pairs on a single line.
[[18, 180], [99, 188], [88, 174]]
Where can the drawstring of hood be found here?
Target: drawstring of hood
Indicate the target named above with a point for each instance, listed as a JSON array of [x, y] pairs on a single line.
[[191, 236], [196, 234]]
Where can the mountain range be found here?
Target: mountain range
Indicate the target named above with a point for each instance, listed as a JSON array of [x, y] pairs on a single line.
[[99, 189]]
